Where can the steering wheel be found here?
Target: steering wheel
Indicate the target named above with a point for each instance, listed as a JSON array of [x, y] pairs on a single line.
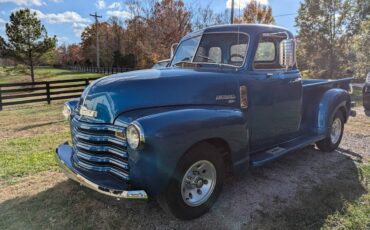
[[236, 55]]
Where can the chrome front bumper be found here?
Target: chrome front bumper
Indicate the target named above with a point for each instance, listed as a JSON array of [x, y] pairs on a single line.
[[64, 157]]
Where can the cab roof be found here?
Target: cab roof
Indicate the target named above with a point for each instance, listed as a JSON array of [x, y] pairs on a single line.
[[251, 29]]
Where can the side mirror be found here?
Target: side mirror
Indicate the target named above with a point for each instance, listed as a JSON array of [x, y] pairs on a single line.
[[287, 53], [173, 48]]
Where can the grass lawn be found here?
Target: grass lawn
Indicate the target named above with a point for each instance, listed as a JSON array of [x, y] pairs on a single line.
[[11, 74], [356, 215], [28, 138]]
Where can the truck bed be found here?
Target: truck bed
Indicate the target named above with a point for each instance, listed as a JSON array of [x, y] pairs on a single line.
[[338, 83], [313, 91]]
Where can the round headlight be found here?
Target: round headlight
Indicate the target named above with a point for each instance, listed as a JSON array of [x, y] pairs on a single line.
[[66, 111], [135, 137]]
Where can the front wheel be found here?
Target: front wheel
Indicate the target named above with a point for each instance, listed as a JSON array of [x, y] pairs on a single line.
[[196, 184], [332, 142]]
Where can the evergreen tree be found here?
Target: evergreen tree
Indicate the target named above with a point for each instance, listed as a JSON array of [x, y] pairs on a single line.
[[27, 39]]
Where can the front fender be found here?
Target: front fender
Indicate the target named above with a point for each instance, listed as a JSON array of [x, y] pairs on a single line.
[[331, 101], [169, 134]]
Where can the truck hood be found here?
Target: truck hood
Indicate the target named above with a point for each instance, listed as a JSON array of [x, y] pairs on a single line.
[[111, 96]]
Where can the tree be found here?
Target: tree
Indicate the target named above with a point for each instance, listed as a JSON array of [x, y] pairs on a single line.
[[106, 43], [255, 12], [166, 22], [356, 11], [27, 39], [74, 54], [204, 17], [321, 37], [361, 49]]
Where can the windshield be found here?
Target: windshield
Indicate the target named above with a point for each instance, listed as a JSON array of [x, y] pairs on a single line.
[[214, 48], [185, 51]]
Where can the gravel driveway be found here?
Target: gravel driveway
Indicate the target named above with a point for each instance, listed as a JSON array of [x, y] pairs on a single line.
[[297, 192]]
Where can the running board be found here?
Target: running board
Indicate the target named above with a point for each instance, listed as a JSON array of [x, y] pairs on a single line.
[[262, 158]]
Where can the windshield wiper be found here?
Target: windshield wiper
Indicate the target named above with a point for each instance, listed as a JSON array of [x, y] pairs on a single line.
[[185, 63], [205, 57], [200, 64]]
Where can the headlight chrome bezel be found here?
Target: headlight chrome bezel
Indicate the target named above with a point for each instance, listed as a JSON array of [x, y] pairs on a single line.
[[67, 111], [139, 143]]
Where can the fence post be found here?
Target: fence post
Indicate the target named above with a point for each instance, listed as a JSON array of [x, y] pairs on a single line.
[[48, 92], [1, 101]]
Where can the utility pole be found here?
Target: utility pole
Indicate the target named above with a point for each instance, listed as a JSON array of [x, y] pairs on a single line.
[[232, 12], [96, 16]]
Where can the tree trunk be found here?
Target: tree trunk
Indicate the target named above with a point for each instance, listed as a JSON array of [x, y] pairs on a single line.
[[31, 65], [32, 73]]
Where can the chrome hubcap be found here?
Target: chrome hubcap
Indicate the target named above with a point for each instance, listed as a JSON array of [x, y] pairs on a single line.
[[336, 130], [198, 183]]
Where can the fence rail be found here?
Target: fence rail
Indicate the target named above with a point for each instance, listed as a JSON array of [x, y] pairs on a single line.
[[104, 70], [44, 91]]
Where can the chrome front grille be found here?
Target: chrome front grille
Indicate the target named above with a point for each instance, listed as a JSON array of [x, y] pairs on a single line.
[[96, 148]]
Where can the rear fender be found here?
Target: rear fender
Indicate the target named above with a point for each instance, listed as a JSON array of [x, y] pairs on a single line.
[[169, 134], [332, 101]]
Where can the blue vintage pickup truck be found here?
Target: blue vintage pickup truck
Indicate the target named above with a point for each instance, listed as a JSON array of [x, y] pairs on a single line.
[[231, 98]]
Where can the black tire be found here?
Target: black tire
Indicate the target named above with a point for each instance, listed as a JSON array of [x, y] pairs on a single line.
[[171, 199], [327, 145]]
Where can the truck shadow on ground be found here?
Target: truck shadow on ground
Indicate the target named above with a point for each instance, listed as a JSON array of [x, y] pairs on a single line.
[[296, 192], [367, 113]]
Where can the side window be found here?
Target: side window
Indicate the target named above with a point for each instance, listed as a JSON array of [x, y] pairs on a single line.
[[265, 52]]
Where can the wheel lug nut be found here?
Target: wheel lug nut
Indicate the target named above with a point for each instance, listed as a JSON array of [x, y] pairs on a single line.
[[199, 191], [205, 181]]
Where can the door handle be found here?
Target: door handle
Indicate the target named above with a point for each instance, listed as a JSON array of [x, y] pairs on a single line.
[[294, 81]]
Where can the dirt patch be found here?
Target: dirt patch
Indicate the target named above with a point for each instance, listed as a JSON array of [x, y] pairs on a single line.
[[298, 191], [31, 186]]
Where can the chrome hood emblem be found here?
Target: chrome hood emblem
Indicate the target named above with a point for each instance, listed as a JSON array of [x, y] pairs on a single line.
[[88, 113]]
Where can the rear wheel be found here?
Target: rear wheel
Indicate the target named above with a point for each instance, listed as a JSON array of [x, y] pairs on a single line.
[[332, 142], [196, 184]]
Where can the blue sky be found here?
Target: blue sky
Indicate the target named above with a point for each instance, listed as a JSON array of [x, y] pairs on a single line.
[[67, 18]]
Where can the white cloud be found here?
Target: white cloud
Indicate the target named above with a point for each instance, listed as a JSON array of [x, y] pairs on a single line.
[[115, 5], [62, 39], [65, 17], [100, 4], [119, 14], [56, 1], [242, 3], [78, 22], [24, 2], [78, 28]]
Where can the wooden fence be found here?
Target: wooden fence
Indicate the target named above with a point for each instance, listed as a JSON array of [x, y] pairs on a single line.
[[45, 91], [104, 70]]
